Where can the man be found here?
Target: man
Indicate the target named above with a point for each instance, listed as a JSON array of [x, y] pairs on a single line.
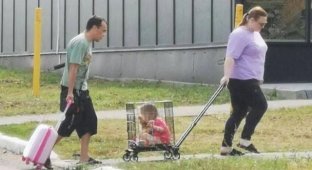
[[74, 89]]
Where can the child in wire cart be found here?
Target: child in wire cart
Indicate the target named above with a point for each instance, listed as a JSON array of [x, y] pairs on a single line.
[[154, 128]]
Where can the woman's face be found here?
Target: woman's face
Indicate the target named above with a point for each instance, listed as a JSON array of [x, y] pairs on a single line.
[[258, 25]]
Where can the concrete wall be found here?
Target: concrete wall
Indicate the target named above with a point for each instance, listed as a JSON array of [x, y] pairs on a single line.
[[201, 64]]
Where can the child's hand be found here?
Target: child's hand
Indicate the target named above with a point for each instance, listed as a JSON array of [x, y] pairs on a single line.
[[150, 123], [142, 121]]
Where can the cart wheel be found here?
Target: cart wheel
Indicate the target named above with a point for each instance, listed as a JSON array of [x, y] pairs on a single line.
[[176, 156], [135, 158], [126, 157], [167, 155]]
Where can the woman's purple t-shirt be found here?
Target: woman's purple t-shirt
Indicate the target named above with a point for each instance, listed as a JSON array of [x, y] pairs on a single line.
[[248, 49]]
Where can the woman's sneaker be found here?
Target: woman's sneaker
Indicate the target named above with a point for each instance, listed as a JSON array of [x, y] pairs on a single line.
[[234, 152], [250, 148]]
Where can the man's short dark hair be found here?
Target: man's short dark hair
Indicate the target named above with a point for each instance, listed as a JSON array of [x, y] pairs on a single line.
[[94, 20]]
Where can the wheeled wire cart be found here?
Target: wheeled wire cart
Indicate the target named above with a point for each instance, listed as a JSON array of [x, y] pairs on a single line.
[[171, 151]]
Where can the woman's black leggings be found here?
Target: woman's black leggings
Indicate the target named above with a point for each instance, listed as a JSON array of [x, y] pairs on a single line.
[[247, 101]]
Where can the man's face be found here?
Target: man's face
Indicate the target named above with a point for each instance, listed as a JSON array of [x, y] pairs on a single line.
[[99, 32]]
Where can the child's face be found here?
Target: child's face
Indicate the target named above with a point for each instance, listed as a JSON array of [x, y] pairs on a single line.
[[148, 115]]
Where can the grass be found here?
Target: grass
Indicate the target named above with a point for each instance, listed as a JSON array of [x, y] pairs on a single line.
[[16, 93], [281, 130], [232, 163]]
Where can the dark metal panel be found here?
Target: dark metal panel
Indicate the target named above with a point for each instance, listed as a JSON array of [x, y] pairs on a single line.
[[100, 9], [123, 23], [165, 22], [30, 25], [288, 62], [192, 8], [115, 23], [8, 26], [58, 25], [45, 25], [174, 22], [148, 22], [202, 21], [71, 20], [65, 24], [221, 20], [156, 27], [1, 27], [308, 20], [183, 22], [139, 22], [20, 32], [131, 26], [85, 14], [51, 24]]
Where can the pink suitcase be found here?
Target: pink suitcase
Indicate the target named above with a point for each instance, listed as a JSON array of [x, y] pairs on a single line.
[[41, 143]]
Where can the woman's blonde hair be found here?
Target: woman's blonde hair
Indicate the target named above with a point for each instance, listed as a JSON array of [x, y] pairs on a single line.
[[255, 13], [149, 111]]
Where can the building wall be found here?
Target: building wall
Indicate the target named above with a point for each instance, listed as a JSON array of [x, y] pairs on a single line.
[[132, 23], [174, 40], [201, 64]]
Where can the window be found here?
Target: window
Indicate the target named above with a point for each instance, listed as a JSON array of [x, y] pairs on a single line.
[[286, 19]]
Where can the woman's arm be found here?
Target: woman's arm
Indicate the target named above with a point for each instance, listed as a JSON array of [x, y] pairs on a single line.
[[228, 67]]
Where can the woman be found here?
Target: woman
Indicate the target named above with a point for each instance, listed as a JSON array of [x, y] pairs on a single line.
[[243, 73]]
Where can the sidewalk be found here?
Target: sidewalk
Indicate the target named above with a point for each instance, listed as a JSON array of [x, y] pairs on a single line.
[[16, 145], [178, 111]]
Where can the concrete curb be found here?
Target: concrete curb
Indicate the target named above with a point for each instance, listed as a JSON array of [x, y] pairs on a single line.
[[17, 145], [289, 90]]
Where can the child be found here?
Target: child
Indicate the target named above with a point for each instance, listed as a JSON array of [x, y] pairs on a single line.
[[155, 129]]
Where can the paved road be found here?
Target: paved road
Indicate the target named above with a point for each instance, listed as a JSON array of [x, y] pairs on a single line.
[[11, 161]]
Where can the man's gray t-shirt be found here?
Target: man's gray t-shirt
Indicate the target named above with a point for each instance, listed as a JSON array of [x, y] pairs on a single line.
[[78, 52]]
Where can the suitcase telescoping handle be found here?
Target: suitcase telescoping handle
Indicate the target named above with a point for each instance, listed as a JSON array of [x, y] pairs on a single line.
[[57, 126], [195, 121]]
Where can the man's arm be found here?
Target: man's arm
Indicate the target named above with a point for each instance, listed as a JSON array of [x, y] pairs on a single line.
[[72, 74]]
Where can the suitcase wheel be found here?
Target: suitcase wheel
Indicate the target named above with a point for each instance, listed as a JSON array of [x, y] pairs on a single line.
[[27, 161], [39, 167]]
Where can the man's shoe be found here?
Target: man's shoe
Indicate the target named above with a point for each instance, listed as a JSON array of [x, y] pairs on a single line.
[[234, 152], [250, 148], [91, 161], [48, 164]]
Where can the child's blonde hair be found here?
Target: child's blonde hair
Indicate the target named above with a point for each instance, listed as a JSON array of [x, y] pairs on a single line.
[[149, 111]]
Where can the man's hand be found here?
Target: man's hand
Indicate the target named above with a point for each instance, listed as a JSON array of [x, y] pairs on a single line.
[[70, 98]]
